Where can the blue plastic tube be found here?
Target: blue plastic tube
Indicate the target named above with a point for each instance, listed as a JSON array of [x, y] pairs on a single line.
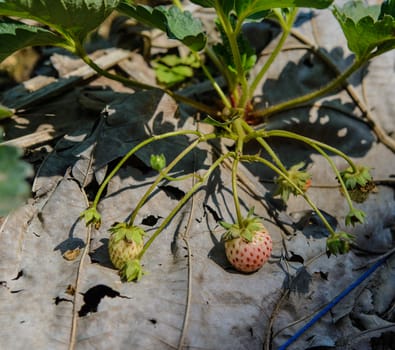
[[335, 301]]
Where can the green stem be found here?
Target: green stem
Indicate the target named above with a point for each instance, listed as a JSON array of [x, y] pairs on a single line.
[[239, 151], [163, 173], [180, 178], [178, 4], [286, 27], [213, 57], [337, 173], [135, 84], [282, 106], [232, 38], [215, 85], [272, 154], [318, 146], [134, 150], [184, 200], [310, 142], [128, 82], [259, 159], [234, 190], [265, 145]]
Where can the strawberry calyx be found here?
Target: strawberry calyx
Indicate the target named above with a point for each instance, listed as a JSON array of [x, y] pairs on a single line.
[[300, 178], [128, 233], [356, 178], [355, 216], [339, 243], [245, 229], [132, 271], [91, 216]]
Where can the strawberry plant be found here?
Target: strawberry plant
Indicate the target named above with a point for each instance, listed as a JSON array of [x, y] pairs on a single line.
[[68, 23]]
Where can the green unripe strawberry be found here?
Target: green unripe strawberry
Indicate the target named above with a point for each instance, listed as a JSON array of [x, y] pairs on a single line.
[[158, 161], [361, 193], [359, 183], [125, 245]]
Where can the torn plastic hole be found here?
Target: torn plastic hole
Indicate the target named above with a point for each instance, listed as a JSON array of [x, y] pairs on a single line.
[[150, 220], [93, 297], [173, 192]]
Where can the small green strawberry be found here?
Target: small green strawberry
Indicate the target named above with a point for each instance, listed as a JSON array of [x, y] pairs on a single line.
[[247, 246], [361, 193], [158, 162], [124, 247]]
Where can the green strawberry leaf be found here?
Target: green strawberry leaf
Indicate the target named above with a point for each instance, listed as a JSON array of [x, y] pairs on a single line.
[[172, 69], [205, 3], [174, 60], [171, 76], [387, 8], [182, 26], [74, 19], [15, 36], [179, 25], [252, 8], [153, 17], [356, 10], [13, 172], [374, 23]]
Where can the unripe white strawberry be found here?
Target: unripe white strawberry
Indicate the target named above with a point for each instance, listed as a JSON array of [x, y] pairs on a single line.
[[250, 256], [125, 245], [248, 244]]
